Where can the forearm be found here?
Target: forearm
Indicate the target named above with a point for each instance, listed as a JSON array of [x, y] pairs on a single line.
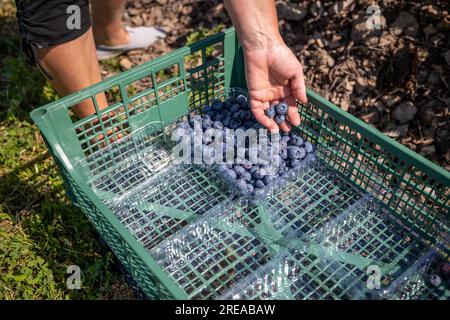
[[256, 23]]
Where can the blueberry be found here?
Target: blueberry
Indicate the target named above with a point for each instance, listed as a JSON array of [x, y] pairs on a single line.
[[241, 185], [226, 121], [283, 144], [230, 174], [246, 176], [241, 99], [285, 138], [234, 124], [308, 147], [217, 125], [227, 104], [435, 280], [217, 105], [236, 115], [310, 157], [269, 180], [246, 115], [270, 112], [207, 109], [295, 163], [260, 183], [222, 168], [239, 169], [259, 173], [218, 117], [279, 119], [250, 188], [282, 108], [248, 125], [208, 154], [282, 170], [295, 152], [206, 139], [296, 140], [235, 108], [253, 169], [247, 165], [206, 123], [284, 154]]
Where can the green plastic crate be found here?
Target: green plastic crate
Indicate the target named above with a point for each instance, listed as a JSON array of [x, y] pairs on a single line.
[[416, 192]]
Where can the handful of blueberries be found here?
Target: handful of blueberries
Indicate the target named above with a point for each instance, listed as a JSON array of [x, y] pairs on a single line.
[[277, 112], [275, 157]]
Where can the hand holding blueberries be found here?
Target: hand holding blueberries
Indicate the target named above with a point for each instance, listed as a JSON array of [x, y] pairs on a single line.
[[272, 77], [273, 72]]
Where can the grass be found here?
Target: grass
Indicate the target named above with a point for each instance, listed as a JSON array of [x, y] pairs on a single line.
[[41, 232]]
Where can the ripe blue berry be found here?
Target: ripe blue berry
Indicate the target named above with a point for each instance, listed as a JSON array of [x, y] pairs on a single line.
[[270, 112], [227, 104], [230, 174], [234, 124], [246, 176], [206, 123], [218, 117], [269, 180], [235, 108], [247, 165], [295, 163], [284, 154], [250, 188], [241, 99], [296, 140], [207, 109], [285, 138], [279, 119], [246, 115], [260, 184], [217, 125], [239, 169], [222, 168], [241, 185], [217, 105], [308, 147], [295, 152], [226, 121], [281, 108]]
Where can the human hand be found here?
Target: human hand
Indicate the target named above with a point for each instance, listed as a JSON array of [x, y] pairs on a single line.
[[274, 74]]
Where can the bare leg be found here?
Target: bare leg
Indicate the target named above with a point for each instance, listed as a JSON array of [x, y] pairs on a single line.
[[107, 22], [73, 66]]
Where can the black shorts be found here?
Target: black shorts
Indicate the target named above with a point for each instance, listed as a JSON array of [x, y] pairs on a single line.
[[46, 23]]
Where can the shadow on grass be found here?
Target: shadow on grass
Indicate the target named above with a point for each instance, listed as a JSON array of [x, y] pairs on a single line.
[[32, 194]]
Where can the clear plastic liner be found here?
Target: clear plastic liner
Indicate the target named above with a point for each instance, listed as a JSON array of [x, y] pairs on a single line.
[[128, 163], [215, 252], [175, 198], [300, 274], [308, 198], [370, 239]]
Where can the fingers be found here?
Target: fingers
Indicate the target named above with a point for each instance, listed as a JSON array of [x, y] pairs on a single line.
[[292, 115], [258, 108], [285, 126], [298, 86]]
